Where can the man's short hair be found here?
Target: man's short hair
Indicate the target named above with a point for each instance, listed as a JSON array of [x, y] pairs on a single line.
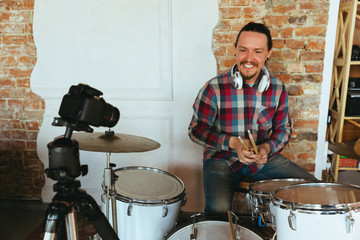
[[256, 27]]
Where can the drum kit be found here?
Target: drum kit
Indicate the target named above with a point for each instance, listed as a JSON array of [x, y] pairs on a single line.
[[146, 202]]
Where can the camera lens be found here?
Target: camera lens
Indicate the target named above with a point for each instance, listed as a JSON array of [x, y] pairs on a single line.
[[111, 116]]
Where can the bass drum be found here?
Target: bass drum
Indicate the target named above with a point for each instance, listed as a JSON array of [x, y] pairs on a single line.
[[328, 211], [148, 202], [212, 230]]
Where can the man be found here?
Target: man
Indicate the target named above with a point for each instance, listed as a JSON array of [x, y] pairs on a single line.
[[244, 98]]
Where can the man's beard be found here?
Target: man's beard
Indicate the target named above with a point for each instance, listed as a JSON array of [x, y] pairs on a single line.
[[246, 76]]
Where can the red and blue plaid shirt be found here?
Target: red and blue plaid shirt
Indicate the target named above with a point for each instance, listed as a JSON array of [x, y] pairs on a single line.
[[222, 111]]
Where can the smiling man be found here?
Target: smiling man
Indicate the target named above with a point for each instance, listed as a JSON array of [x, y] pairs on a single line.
[[244, 102]]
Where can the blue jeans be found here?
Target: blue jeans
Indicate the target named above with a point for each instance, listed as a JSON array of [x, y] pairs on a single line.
[[220, 182]]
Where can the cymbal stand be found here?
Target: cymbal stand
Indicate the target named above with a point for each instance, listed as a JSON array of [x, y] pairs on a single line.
[[109, 182]]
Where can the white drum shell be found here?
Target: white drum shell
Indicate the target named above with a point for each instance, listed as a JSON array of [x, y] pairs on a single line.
[[148, 202], [316, 211], [145, 222], [212, 230], [312, 226]]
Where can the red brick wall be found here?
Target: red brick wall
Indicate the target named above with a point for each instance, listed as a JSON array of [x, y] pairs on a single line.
[[21, 111], [298, 30]]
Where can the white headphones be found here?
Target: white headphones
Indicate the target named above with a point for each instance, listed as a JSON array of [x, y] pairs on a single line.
[[264, 81]]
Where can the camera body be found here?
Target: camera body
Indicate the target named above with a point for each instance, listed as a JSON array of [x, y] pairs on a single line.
[[83, 104]]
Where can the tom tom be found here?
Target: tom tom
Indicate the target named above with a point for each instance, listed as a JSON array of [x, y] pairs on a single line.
[[148, 202], [259, 198], [328, 211]]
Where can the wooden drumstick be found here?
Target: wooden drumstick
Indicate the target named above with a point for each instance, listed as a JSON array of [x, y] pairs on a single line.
[[232, 235], [243, 143], [253, 142]]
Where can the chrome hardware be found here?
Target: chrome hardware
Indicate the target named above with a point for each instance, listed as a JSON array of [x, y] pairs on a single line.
[[349, 223], [237, 228], [292, 220], [129, 210], [165, 210], [193, 229]]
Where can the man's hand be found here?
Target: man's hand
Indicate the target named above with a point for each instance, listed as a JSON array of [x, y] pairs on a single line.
[[249, 156], [264, 151], [243, 155]]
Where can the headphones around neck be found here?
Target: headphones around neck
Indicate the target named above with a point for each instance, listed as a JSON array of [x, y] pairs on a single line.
[[238, 80]]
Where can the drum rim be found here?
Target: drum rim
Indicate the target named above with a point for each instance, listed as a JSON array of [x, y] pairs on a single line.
[[316, 208], [262, 193], [174, 231], [152, 202]]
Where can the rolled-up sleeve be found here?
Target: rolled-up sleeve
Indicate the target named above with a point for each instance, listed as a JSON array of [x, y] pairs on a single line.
[[201, 128]]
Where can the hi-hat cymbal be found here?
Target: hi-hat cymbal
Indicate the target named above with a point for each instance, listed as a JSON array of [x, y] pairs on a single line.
[[118, 143]]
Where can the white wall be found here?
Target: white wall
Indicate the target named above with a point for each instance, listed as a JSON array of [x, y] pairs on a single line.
[[149, 58]]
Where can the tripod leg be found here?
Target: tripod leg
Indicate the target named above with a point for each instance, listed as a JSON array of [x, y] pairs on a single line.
[[54, 227], [71, 225], [94, 215]]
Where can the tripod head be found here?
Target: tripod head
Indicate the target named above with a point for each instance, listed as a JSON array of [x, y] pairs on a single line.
[[64, 161]]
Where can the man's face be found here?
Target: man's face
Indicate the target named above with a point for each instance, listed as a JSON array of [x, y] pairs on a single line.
[[251, 53]]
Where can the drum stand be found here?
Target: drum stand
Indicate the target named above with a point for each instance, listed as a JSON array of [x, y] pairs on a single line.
[[62, 209], [109, 182]]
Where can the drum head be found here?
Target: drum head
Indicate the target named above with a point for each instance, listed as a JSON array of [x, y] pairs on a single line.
[[320, 196], [269, 186], [147, 184]]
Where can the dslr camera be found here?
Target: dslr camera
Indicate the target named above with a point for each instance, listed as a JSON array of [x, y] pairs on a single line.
[[83, 104]]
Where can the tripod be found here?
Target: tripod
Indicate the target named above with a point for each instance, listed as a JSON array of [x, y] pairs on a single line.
[[64, 167]]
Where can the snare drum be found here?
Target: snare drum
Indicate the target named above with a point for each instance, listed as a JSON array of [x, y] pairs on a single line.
[[260, 195], [328, 211], [148, 202], [213, 230]]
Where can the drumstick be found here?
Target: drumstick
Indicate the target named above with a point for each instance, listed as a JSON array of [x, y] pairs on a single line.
[[252, 142], [231, 226], [243, 143]]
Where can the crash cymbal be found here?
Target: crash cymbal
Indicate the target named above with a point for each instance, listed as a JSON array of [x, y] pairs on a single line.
[[118, 143]]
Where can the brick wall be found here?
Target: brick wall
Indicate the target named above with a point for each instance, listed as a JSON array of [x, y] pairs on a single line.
[[21, 111], [298, 30]]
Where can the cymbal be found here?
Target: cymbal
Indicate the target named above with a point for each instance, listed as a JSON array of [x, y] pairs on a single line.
[[118, 143], [345, 149]]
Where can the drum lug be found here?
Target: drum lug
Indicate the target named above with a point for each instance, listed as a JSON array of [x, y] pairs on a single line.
[[183, 202], [129, 210], [165, 210], [350, 223], [292, 220]]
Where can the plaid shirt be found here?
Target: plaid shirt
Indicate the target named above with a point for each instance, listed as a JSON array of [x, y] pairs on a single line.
[[222, 111]]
